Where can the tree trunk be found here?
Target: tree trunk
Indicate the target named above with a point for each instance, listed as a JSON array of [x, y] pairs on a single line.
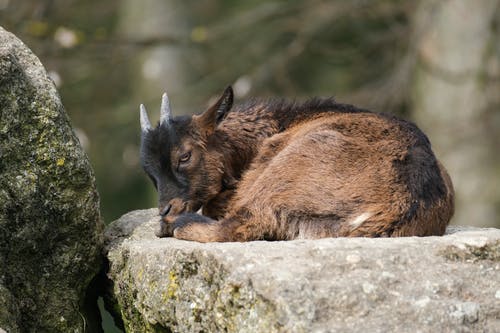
[[161, 67], [452, 103]]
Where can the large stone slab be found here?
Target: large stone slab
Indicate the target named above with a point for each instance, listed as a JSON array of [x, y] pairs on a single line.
[[431, 284], [50, 229]]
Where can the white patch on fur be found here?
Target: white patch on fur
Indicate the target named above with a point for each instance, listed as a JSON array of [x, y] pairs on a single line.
[[359, 220], [305, 232], [302, 231]]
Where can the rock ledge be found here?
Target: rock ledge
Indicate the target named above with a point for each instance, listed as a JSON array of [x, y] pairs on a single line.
[[431, 284]]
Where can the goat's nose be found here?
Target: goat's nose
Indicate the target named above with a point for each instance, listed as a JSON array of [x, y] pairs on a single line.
[[165, 210]]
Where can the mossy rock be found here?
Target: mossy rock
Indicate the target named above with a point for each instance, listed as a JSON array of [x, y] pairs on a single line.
[[50, 226]]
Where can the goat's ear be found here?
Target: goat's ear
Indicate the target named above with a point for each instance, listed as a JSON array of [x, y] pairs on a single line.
[[209, 119], [224, 104]]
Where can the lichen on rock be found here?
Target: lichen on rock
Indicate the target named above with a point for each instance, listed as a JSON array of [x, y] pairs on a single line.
[[50, 227]]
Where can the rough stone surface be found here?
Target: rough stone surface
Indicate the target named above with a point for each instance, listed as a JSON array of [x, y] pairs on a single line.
[[431, 284], [50, 228]]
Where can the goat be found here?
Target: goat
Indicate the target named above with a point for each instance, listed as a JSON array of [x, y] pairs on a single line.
[[280, 170]]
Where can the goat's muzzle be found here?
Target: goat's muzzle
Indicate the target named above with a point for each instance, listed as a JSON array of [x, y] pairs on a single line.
[[168, 214]]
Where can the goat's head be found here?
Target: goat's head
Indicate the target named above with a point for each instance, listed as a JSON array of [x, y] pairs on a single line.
[[180, 157]]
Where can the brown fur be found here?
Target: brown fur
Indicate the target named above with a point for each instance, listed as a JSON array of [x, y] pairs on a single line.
[[281, 171]]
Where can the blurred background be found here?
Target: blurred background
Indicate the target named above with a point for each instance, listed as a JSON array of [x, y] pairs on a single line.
[[436, 62]]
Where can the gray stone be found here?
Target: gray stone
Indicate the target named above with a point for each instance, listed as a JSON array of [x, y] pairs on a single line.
[[428, 284], [50, 228]]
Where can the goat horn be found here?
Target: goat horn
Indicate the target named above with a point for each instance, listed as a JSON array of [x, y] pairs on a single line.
[[165, 113], [145, 124]]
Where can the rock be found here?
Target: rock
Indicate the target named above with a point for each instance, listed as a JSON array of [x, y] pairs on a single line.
[[428, 284], [50, 228]]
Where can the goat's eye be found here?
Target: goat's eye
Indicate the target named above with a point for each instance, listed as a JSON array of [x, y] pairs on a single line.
[[185, 157]]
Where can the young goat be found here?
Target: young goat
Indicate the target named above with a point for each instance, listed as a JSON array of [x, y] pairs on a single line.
[[279, 170]]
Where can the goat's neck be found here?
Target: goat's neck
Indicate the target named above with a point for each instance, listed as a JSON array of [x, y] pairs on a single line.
[[241, 137]]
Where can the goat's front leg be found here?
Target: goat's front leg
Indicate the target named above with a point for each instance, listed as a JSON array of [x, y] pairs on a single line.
[[199, 228]]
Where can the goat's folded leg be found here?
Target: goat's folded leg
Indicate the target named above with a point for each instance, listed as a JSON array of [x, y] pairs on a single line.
[[196, 227]]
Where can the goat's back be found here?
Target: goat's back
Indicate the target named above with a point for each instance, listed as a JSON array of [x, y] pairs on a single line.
[[347, 174]]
